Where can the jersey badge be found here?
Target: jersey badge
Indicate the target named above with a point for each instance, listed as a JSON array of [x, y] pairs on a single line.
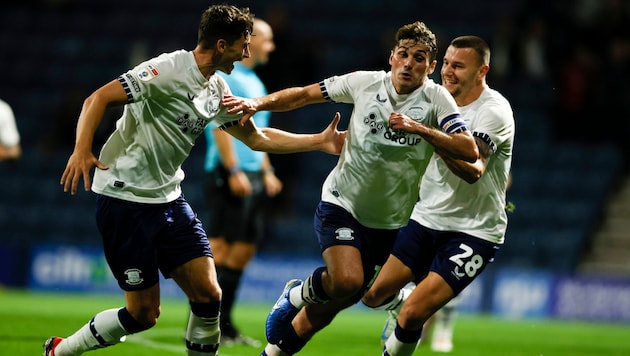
[[344, 234], [134, 276], [147, 73], [416, 113]]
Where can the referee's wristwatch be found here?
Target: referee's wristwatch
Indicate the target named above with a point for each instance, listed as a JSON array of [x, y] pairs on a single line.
[[234, 169]]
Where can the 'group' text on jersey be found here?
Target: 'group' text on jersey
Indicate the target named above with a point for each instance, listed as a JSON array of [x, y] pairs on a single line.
[[376, 178]]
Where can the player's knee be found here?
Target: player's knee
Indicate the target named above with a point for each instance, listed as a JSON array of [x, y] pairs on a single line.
[[345, 286], [213, 294], [370, 299], [412, 318], [146, 317], [207, 293]]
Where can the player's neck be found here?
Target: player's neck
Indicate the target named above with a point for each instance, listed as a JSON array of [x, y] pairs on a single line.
[[204, 62], [470, 96]]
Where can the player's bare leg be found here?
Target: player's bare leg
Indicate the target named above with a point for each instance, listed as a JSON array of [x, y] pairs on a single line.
[[428, 297], [198, 279]]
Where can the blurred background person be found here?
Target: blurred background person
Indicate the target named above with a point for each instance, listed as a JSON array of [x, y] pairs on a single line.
[[238, 184], [10, 148]]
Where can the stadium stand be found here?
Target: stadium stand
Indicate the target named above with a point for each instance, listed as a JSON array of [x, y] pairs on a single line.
[[560, 189]]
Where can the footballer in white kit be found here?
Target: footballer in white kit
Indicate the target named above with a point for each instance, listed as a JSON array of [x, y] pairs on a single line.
[[449, 203], [170, 128], [146, 225], [370, 193], [380, 188], [459, 222]]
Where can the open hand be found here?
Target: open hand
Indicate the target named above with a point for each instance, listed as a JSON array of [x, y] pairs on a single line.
[[237, 105], [79, 166], [333, 138]]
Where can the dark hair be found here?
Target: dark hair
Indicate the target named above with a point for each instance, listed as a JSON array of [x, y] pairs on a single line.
[[418, 32], [477, 43], [224, 22]]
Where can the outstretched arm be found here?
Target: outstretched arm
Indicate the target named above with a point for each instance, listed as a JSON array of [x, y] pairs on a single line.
[[237, 180], [82, 159], [272, 140], [459, 145], [283, 100]]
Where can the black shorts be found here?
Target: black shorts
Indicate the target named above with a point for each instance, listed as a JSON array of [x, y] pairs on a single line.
[[231, 217], [457, 257], [140, 239], [336, 226]]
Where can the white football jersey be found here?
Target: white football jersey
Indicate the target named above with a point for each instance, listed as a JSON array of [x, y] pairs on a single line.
[[169, 104], [448, 203], [376, 178]]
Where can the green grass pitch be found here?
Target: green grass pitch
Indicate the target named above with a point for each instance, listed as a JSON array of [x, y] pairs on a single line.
[[28, 318]]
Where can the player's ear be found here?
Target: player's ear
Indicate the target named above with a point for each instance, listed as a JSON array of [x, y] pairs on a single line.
[[484, 70], [221, 45]]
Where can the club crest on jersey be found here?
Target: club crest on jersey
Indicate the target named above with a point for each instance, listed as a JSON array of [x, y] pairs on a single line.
[[416, 113], [147, 73], [344, 234], [371, 121], [134, 276]]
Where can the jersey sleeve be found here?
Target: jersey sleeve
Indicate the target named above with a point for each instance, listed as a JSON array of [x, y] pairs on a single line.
[[149, 79], [343, 88], [224, 120], [449, 117], [494, 125]]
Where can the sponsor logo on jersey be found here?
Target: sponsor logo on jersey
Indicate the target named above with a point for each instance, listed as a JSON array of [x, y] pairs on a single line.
[[401, 137], [188, 123], [344, 234], [148, 73], [378, 98], [191, 97], [375, 125], [134, 276]]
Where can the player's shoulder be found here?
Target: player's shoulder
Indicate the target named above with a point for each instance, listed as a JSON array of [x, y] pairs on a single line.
[[362, 76], [436, 94], [492, 97], [493, 104], [173, 58], [433, 89], [166, 65]]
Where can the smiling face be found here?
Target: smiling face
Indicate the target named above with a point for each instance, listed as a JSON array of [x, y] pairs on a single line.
[[410, 65], [463, 74]]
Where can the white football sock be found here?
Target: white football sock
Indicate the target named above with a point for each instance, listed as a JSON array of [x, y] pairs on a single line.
[[202, 336], [102, 331], [395, 347], [295, 297], [273, 350]]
